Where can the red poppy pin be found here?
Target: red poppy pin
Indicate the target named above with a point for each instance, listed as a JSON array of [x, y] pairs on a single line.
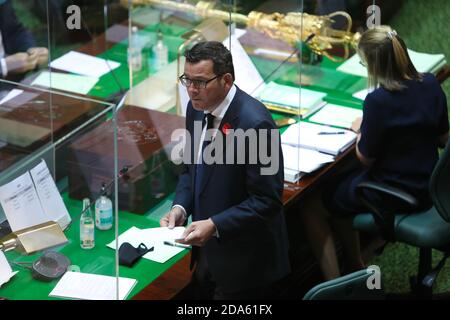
[[225, 128]]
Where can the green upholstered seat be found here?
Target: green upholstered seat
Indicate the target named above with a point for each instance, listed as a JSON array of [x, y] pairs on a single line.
[[426, 230], [349, 287]]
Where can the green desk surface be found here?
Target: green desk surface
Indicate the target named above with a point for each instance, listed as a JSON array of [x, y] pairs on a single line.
[[99, 260]]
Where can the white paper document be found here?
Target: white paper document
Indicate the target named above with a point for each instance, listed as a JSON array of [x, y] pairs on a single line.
[[336, 115], [65, 81], [21, 204], [77, 285], [84, 64], [32, 199], [152, 237], [51, 200], [318, 137], [247, 76], [10, 95], [362, 94], [304, 160], [302, 100], [6, 272], [423, 62]]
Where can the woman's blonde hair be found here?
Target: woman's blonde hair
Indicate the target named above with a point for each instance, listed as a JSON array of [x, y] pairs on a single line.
[[387, 59]]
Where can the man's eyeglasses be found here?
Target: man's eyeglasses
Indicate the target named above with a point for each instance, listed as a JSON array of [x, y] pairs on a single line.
[[199, 84]]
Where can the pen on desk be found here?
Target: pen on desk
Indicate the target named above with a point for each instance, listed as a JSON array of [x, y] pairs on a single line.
[[176, 244], [331, 132]]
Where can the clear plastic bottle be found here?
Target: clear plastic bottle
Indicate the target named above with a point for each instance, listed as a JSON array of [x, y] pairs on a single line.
[[135, 50], [160, 53], [103, 211], [87, 228]]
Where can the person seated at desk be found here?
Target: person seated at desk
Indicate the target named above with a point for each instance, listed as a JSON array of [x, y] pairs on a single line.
[[404, 122], [18, 53], [238, 232]]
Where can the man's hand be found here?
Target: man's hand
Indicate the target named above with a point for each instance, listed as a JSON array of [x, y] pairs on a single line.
[[40, 53], [198, 233], [356, 124], [175, 217], [20, 62]]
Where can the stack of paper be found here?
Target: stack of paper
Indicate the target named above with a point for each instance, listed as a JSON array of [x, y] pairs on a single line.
[[300, 161], [294, 100], [6, 272], [318, 137], [423, 62], [77, 285], [336, 115], [152, 237]]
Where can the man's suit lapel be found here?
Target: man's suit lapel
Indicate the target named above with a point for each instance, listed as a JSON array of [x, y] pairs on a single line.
[[230, 118]]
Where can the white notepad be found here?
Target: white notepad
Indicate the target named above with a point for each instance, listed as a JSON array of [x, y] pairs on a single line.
[[77, 285], [336, 115], [306, 135]]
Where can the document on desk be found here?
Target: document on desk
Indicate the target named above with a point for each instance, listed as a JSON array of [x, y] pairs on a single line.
[[295, 99], [6, 272], [17, 98], [424, 62], [21, 204], [84, 64], [304, 160], [248, 77], [49, 196], [152, 237], [318, 137], [65, 81], [336, 115], [32, 199], [78, 285]]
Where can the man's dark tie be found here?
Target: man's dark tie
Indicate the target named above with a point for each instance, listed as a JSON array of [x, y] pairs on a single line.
[[199, 167]]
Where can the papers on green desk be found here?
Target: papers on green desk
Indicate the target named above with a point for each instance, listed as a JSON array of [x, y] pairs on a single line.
[[318, 137], [294, 100], [65, 81], [335, 115], [78, 285], [424, 62]]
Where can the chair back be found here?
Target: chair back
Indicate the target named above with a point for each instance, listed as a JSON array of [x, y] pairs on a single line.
[[349, 287], [440, 184]]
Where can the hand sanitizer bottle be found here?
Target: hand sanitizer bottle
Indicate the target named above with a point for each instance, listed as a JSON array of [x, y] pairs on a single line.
[[160, 53], [87, 235], [135, 50], [103, 211]]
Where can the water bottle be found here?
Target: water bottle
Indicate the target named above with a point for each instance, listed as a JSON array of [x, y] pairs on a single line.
[[87, 235], [135, 50], [103, 211], [160, 53]]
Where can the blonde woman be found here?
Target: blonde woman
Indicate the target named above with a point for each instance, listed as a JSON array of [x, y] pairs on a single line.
[[404, 122]]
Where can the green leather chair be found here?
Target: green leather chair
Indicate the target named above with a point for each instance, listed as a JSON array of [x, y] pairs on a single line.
[[349, 287], [427, 230]]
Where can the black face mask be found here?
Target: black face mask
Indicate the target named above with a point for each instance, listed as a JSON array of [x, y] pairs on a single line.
[[129, 255]]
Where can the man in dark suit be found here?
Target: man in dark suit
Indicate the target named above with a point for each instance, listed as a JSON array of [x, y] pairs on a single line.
[[18, 53], [238, 232]]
